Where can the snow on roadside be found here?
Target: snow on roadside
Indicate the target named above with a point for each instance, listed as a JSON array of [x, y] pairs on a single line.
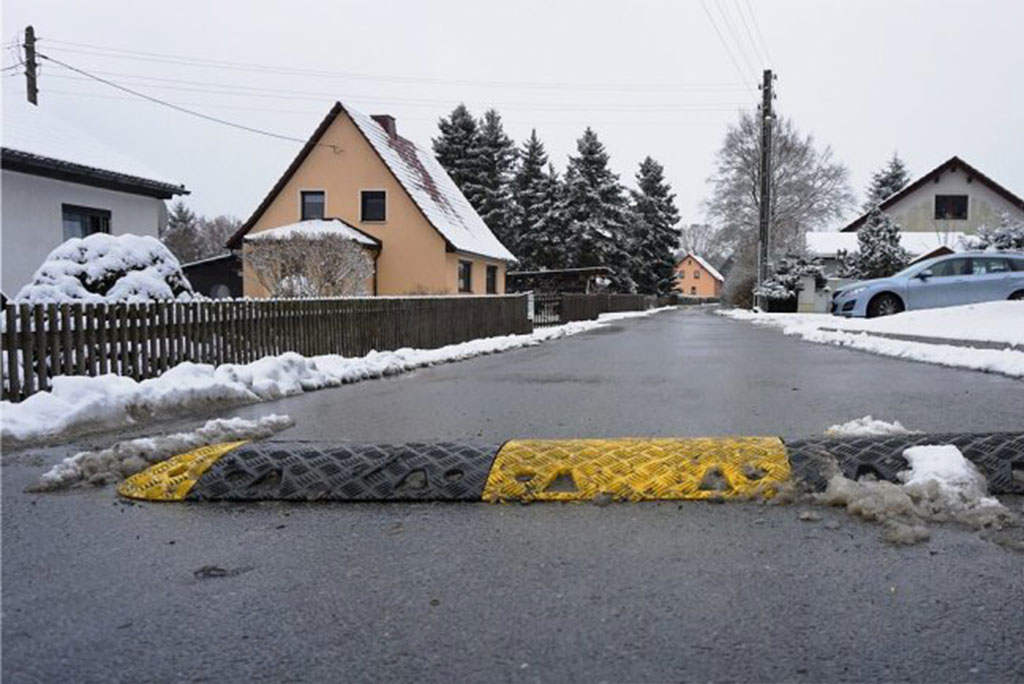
[[867, 426], [808, 327], [126, 458], [999, 321], [79, 404]]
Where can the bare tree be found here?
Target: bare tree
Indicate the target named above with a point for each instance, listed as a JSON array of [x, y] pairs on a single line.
[[696, 238], [809, 189], [310, 266]]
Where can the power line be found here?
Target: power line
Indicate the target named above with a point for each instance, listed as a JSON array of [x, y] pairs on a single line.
[[721, 38], [184, 110], [180, 60], [750, 36], [734, 34], [757, 30]]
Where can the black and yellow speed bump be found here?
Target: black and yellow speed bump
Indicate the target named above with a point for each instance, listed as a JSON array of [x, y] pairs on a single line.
[[624, 469]]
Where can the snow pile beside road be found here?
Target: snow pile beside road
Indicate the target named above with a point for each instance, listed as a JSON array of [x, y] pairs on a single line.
[[77, 404], [940, 486], [1005, 361], [124, 459], [867, 426]]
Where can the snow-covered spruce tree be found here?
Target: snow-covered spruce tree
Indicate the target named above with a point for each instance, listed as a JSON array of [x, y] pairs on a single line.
[[887, 181], [456, 147], [181, 234], [879, 254], [657, 235], [596, 213], [487, 188], [535, 190], [785, 281], [108, 268]]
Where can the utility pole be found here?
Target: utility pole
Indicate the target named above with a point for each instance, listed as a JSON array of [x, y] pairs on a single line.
[[764, 224], [31, 91]]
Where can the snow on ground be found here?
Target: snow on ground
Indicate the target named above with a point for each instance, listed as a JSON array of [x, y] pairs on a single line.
[[990, 322], [867, 426], [126, 458], [79, 404]]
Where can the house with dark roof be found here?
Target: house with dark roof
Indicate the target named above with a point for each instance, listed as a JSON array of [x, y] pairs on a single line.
[[954, 197], [59, 183], [358, 169]]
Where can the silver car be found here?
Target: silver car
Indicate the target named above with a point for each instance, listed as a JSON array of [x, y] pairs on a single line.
[[949, 280]]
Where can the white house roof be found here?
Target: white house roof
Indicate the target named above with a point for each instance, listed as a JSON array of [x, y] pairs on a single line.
[[705, 265], [433, 191], [316, 228], [826, 244], [421, 176], [39, 132]]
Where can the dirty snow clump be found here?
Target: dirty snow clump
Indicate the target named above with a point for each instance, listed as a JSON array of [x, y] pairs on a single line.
[[126, 458], [939, 486], [868, 426], [108, 268]]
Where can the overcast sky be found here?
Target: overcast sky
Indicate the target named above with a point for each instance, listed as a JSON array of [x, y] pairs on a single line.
[[928, 79]]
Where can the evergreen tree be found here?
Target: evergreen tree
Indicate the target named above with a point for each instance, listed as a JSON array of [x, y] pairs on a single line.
[[181, 234], [531, 204], [880, 254], [487, 188], [456, 146], [887, 181], [657, 235], [596, 213]]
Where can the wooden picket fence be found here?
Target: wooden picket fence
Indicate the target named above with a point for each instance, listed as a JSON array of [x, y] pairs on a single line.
[[41, 341]]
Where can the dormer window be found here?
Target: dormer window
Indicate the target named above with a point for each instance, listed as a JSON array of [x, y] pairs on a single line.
[[313, 202]]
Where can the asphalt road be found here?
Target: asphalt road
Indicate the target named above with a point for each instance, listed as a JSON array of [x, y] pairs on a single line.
[[99, 590]]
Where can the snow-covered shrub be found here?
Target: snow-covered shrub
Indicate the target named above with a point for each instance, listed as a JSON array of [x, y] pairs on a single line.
[[1009, 234], [317, 265], [108, 268], [879, 254], [785, 283]]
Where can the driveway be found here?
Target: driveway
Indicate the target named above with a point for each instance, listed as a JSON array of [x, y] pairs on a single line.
[[95, 589]]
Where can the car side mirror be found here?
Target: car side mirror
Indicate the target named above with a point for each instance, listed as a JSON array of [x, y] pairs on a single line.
[[925, 274]]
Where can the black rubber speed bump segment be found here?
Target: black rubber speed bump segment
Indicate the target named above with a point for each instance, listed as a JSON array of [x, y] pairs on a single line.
[[997, 455], [306, 471]]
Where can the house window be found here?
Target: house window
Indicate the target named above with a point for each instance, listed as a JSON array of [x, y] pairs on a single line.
[[312, 204], [81, 221], [465, 276], [492, 280], [372, 203], [693, 290], [696, 275], [951, 207]]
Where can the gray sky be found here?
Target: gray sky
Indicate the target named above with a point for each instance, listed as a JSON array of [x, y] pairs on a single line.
[[929, 79]]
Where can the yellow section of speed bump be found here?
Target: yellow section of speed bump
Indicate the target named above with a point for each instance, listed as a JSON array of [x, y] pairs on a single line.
[[637, 469], [172, 479]]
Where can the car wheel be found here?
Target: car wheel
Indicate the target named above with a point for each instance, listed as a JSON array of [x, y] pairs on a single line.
[[1018, 296], [885, 304]]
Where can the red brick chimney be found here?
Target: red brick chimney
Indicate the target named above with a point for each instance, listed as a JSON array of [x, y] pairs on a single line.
[[387, 122]]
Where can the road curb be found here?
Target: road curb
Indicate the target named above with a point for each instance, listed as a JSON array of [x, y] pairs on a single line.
[[621, 469]]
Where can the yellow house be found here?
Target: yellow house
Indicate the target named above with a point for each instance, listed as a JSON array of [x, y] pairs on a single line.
[[695, 277], [358, 169]]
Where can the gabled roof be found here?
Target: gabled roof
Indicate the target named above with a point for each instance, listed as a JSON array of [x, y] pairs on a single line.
[[316, 227], [37, 142], [703, 263], [421, 176], [951, 164]]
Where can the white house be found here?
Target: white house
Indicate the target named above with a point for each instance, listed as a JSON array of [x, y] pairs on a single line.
[[934, 212], [59, 183]]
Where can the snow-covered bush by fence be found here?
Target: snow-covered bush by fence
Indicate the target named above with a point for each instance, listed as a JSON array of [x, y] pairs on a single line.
[[785, 282], [1009, 234], [108, 268]]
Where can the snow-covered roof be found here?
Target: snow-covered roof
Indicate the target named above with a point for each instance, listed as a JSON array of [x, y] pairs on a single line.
[[38, 132], [422, 177], [316, 228], [705, 265], [826, 244]]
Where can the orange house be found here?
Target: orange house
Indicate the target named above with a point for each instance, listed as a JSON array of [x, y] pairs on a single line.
[[697, 278], [357, 168]]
